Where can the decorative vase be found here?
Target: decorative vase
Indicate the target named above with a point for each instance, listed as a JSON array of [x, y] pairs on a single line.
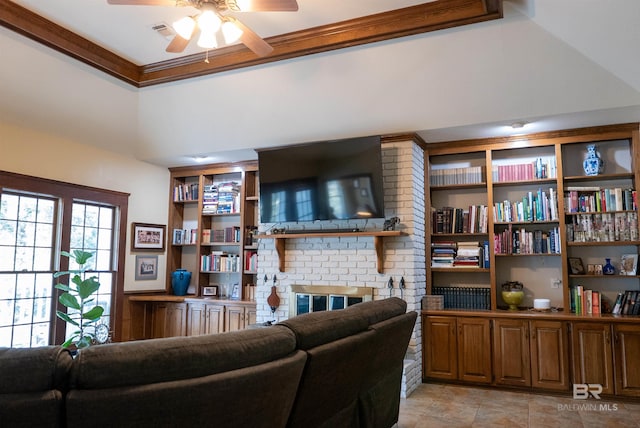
[[513, 294], [180, 280], [608, 268], [593, 163]]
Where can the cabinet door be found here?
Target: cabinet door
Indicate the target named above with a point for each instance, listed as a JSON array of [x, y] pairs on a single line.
[[549, 355], [440, 348], [627, 349], [196, 319], [251, 316], [511, 355], [234, 318], [169, 319], [214, 319], [474, 350], [592, 354]]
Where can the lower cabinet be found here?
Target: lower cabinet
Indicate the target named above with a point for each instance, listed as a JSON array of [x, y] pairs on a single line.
[[168, 319], [239, 317], [627, 349], [457, 348], [592, 354], [205, 318]]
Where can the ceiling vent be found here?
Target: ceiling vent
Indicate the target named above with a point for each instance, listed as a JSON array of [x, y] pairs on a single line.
[[164, 29]]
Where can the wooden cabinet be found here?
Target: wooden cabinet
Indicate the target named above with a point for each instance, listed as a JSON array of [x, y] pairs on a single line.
[[205, 318], [239, 317], [169, 319], [592, 354], [549, 346], [511, 353], [627, 349], [531, 353], [458, 349], [440, 352]]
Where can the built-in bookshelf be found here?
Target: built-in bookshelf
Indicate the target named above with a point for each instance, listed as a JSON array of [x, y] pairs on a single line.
[[212, 217], [543, 211]]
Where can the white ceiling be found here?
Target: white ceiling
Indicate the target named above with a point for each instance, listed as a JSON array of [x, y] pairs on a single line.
[[555, 64]]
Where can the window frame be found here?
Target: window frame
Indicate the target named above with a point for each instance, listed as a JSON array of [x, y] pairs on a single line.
[[67, 194]]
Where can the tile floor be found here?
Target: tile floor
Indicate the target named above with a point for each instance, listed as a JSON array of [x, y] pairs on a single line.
[[453, 406]]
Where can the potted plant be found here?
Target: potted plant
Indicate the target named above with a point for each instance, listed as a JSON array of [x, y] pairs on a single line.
[[78, 296]]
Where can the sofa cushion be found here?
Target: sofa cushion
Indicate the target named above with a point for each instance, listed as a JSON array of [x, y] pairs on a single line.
[[163, 360], [317, 328], [32, 386], [259, 396], [380, 310]]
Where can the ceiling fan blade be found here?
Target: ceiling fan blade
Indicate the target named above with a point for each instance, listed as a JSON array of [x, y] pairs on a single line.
[[251, 40], [267, 6], [143, 2], [177, 45]]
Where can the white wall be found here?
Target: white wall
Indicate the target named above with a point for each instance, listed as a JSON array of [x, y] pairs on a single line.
[[38, 154]]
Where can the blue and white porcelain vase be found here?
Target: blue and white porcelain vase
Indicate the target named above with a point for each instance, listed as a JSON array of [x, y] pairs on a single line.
[[608, 268], [593, 163], [180, 280]]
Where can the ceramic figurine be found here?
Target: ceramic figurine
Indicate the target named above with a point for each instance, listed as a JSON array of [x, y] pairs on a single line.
[[593, 163]]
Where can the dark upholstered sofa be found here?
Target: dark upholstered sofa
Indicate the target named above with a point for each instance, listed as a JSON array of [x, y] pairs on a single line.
[[325, 369]]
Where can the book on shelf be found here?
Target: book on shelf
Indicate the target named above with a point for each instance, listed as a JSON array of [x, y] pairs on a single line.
[[185, 192], [603, 227], [540, 168], [459, 220], [184, 236], [452, 176], [464, 297], [533, 206], [522, 241], [595, 199], [584, 301]]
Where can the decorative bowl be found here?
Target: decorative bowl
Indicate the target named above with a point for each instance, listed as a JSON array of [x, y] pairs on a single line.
[[513, 299]]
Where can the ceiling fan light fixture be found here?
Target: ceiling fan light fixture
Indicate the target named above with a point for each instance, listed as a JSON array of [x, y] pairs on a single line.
[[184, 27], [209, 22], [207, 40], [230, 31]]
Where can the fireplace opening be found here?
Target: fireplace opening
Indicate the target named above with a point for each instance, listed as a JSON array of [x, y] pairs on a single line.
[[315, 298]]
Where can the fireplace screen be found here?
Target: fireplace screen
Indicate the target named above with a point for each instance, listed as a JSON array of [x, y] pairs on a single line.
[[314, 298]]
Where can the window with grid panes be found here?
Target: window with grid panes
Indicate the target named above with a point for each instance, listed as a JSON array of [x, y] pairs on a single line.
[[34, 228]]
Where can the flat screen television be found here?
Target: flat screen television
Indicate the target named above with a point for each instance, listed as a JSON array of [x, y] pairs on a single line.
[[327, 180]]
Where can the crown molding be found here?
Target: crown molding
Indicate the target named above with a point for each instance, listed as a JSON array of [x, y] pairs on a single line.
[[422, 18]]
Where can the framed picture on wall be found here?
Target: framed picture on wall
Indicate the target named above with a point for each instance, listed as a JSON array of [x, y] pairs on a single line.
[[146, 268], [147, 237]]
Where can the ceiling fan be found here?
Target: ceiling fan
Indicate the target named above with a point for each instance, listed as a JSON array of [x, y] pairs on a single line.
[[211, 18]]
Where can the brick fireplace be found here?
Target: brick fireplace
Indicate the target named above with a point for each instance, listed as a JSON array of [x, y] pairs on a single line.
[[349, 262]]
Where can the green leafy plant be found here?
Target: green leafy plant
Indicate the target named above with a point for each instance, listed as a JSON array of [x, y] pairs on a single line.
[[78, 296]]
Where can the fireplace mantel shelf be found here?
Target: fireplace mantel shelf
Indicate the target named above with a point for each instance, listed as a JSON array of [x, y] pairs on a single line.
[[281, 238]]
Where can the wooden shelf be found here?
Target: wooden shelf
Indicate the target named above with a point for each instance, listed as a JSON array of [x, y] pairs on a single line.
[[281, 239]]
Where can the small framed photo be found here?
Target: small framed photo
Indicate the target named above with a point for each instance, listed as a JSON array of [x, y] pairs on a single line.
[[147, 237], [576, 266], [146, 268], [591, 269], [597, 270], [628, 264], [210, 290]]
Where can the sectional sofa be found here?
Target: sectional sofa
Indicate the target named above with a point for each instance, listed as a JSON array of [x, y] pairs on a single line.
[[324, 369]]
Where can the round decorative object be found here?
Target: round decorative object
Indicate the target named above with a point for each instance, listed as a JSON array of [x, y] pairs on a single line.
[[180, 280], [513, 299], [102, 333], [608, 268], [593, 163]]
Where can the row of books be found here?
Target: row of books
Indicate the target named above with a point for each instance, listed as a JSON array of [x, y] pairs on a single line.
[[534, 206], [460, 254], [459, 220], [185, 192], [584, 301], [220, 262], [538, 169], [595, 199], [227, 234], [522, 241], [251, 261], [603, 227], [185, 236], [476, 298], [221, 198], [465, 175], [627, 303]]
